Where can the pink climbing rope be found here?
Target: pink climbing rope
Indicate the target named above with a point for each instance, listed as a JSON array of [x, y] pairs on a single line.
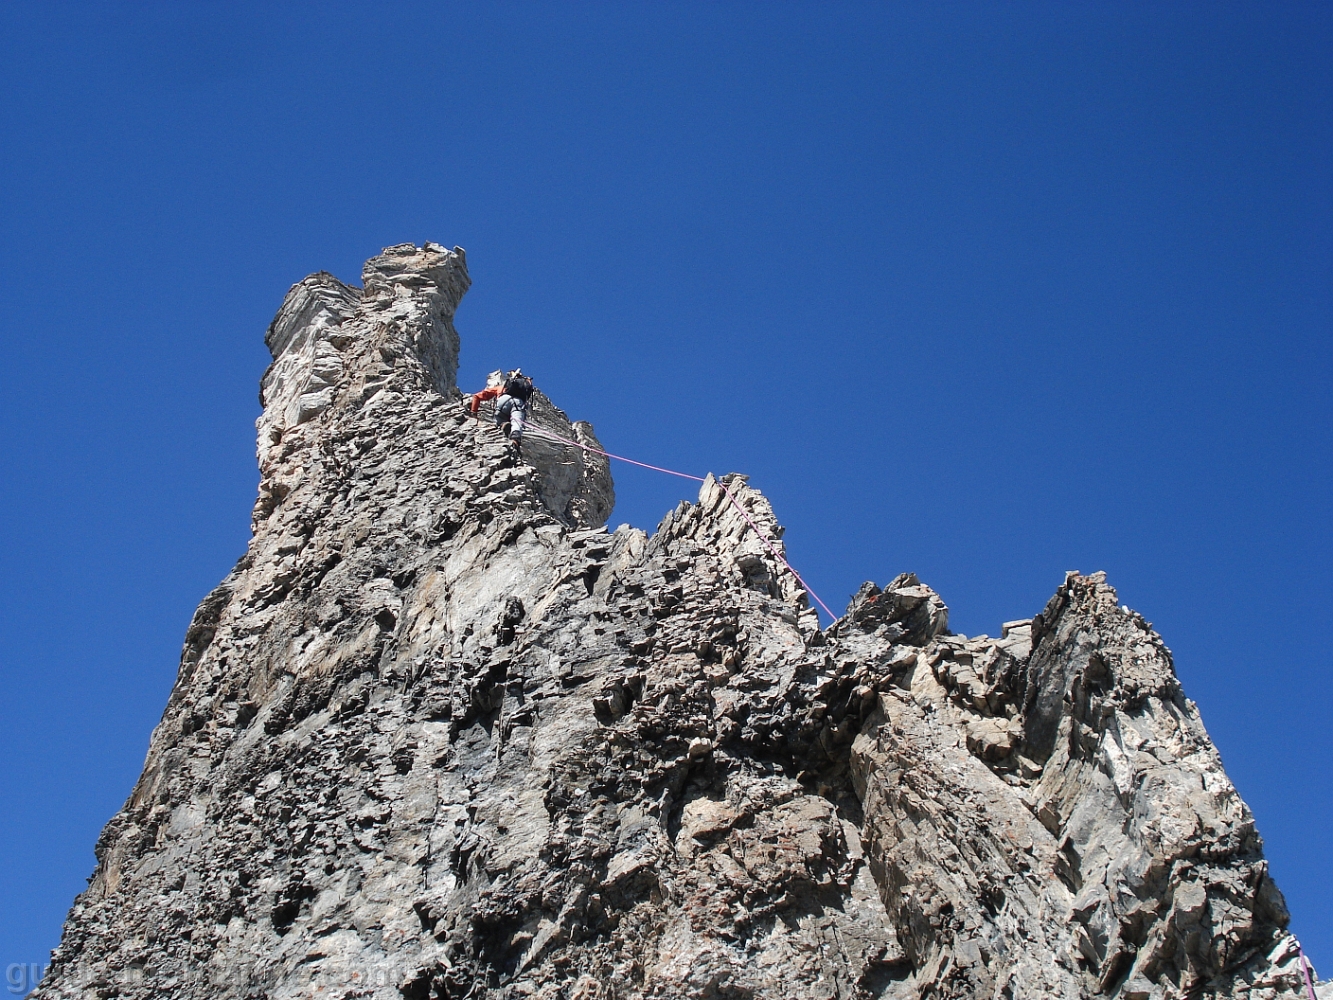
[[1305, 970], [543, 432]]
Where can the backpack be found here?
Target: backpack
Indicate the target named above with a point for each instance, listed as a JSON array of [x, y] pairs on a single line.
[[519, 387]]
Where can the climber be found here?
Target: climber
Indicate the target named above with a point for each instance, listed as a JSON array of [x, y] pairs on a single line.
[[512, 396]]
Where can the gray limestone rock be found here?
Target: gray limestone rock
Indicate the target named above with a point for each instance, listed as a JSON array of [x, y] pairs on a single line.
[[440, 734]]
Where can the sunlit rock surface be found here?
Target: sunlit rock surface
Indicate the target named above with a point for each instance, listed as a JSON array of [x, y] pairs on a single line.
[[440, 734]]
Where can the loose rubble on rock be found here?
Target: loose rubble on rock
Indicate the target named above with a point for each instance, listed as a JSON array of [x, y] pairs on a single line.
[[440, 734]]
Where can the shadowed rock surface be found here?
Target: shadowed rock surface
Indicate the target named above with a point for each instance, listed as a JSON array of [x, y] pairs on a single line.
[[439, 734]]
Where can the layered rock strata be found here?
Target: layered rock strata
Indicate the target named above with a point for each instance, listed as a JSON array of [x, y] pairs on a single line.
[[440, 734]]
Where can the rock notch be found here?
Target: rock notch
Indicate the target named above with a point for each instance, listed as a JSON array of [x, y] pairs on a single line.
[[440, 734]]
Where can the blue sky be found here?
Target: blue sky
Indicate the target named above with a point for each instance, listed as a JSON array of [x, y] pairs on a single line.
[[983, 291]]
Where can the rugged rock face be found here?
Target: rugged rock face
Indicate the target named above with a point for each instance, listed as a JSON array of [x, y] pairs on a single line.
[[440, 734]]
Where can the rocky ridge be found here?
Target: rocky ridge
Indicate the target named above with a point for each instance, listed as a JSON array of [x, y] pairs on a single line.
[[440, 734]]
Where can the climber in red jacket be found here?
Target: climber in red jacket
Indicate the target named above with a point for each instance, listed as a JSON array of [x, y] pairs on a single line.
[[512, 396]]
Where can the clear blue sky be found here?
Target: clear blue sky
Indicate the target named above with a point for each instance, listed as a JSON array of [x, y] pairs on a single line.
[[984, 291]]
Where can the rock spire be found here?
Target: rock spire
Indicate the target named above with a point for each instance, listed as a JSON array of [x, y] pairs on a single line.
[[440, 734]]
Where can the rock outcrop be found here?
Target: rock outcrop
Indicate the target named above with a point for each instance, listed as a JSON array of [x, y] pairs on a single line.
[[440, 734]]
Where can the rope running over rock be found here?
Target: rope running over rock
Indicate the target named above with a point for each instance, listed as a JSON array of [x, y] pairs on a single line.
[[543, 432]]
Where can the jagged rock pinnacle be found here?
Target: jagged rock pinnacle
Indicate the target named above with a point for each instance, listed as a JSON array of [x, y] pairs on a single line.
[[439, 734]]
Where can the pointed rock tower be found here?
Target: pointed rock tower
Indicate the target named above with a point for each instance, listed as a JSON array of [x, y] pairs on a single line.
[[440, 735]]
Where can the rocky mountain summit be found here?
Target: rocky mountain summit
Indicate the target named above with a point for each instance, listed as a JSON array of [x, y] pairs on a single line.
[[440, 734]]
